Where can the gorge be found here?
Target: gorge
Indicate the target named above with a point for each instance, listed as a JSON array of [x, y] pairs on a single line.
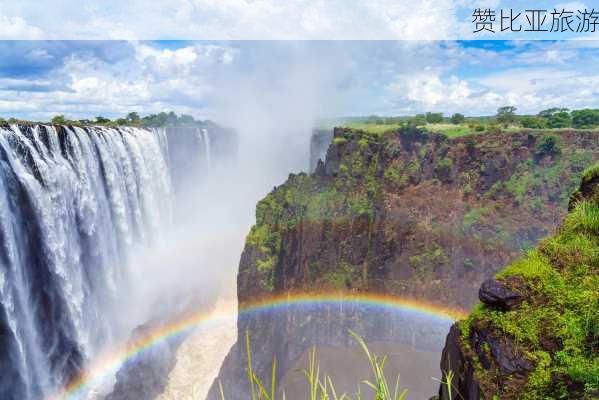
[[407, 213], [116, 234]]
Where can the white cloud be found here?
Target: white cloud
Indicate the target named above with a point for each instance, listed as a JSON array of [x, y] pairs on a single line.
[[17, 28], [241, 19], [83, 80]]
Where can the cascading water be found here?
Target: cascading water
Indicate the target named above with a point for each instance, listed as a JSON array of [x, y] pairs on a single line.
[[74, 203], [207, 145]]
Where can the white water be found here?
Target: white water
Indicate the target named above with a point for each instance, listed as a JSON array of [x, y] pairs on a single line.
[[73, 204], [200, 356], [207, 146]]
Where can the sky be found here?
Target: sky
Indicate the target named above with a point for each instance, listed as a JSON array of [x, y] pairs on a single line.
[[259, 19], [211, 79]]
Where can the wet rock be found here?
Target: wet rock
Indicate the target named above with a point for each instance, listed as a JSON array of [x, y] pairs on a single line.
[[498, 294], [503, 352], [454, 361]]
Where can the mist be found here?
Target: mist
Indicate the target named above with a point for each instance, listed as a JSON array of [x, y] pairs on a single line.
[[192, 266]]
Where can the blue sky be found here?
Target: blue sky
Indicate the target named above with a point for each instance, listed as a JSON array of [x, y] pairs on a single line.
[[210, 79]]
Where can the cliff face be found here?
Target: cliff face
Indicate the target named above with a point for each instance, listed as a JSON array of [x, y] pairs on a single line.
[[536, 333], [412, 214], [319, 143], [406, 213]]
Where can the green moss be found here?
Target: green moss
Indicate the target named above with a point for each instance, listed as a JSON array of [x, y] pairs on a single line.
[[474, 216], [590, 172], [393, 175], [562, 305]]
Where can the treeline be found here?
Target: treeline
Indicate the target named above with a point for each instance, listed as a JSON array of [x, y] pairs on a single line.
[[131, 119], [553, 118]]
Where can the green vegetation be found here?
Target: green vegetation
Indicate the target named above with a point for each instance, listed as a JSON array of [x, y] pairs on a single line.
[[557, 326], [132, 119], [506, 115], [434, 118], [320, 385], [457, 119], [585, 119], [474, 216], [505, 119], [548, 145]]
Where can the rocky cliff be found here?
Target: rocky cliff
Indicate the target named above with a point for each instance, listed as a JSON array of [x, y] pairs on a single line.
[[319, 143], [406, 213], [535, 334]]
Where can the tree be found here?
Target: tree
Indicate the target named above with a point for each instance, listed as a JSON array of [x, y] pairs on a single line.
[[552, 111], [506, 115], [186, 119], [133, 117], [533, 122], [557, 117], [417, 120], [434, 118], [59, 120], [457, 119], [587, 118], [102, 120]]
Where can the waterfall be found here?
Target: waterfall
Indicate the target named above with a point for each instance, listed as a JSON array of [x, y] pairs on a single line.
[[74, 203], [206, 140]]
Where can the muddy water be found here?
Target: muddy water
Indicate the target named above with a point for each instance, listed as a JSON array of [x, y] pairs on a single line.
[[201, 355], [349, 366]]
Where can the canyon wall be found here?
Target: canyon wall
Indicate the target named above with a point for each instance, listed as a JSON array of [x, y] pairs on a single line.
[[407, 213], [535, 333]]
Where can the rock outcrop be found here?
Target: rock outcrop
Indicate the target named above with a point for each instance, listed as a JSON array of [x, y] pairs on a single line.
[[407, 213], [536, 333], [319, 143]]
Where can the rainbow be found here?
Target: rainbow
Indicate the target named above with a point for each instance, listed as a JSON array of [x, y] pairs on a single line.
[[110, 362]]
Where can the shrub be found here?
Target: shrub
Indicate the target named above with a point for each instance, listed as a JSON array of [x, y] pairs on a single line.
[[457, 118], [549, 145], [58, 120], [587, 118], [533, 123], [434, 118]]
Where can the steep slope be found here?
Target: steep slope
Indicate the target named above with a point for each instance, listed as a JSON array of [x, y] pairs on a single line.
[[405, 213], [536, 333], [412, 214]]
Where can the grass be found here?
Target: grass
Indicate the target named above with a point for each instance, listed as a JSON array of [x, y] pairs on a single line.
[[373, 128], [321, 386], [561, 307], [450, 130]]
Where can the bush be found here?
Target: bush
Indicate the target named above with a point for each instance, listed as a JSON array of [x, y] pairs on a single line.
[[587, 118], [58, 120], [549, 146], [533, 123], [560, 120], [434, 118], [457, 118]]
